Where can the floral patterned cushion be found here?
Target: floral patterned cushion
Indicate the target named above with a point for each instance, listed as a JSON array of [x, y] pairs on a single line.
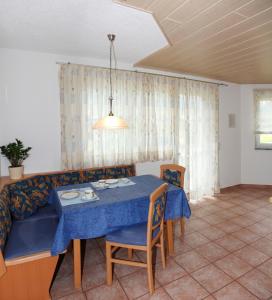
[[5, 218], [172, 177], [159, 207], [38, 190], [62, 179], [21, 205], [90, 175], [119, 172]]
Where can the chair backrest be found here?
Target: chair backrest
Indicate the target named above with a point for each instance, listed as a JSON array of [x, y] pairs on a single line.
[[156, 213], [2, 265], [173, 174]]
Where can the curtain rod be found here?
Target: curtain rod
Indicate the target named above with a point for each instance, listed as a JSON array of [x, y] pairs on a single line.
[[170, 76]]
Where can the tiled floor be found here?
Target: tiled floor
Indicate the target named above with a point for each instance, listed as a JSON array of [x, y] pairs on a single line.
[[226, 254]]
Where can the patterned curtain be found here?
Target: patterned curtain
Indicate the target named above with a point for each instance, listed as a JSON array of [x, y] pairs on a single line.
[[168, 119]]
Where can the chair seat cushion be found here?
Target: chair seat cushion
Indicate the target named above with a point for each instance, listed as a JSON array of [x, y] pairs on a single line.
[[32, 235], [132, 235]]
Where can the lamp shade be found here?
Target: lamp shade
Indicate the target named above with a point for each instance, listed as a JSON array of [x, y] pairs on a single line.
[[110, 122]]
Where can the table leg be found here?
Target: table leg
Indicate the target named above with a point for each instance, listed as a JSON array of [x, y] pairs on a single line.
[[77, 264], [170, 236], [182, 227]]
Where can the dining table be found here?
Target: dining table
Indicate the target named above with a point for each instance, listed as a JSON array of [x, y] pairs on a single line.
[[113, 205]]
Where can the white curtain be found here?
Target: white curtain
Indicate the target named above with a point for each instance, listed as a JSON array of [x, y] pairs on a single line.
[[197, 137], [168, 118]]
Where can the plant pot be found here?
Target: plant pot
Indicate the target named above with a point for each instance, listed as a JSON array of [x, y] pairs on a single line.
[[16, 172]]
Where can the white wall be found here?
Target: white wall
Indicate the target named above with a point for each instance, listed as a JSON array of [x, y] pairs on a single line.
[[29, 110], [230, 138], [256, 166]]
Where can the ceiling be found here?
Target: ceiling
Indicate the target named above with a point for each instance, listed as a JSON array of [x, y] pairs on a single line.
[[227, 40], [79, 28]]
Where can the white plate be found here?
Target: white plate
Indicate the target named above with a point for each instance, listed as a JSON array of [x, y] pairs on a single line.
[[70, 195], [112, 181], [125, 180]]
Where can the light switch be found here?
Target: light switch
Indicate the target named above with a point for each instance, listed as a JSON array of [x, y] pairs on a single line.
[[232, 120]]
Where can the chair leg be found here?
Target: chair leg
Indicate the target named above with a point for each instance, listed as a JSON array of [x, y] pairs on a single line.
[[162, 251], [130, 253], [109, 263], [150, 272]]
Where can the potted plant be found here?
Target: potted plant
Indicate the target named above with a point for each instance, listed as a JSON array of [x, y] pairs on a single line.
[[16, 154]]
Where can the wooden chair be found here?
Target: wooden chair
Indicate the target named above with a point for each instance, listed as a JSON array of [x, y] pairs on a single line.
[[28, 277], [140, 237], [177, 179]]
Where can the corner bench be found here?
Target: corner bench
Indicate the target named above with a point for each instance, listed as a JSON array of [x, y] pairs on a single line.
[[27, 229]]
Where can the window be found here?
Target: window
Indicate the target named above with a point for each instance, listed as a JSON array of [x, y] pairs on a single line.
[[263, 119]]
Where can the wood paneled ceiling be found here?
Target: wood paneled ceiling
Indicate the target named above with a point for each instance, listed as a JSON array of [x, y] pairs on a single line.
[[227, 40]]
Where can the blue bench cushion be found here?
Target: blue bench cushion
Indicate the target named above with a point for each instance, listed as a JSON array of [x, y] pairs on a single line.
[[132, 235], [5, 218], [172, 177], [32, 235]]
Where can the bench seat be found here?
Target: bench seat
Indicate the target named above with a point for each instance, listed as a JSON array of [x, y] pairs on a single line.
[[32, 235]]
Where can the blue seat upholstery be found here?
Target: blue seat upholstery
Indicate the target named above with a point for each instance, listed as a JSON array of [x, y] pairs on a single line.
[[32, 235], [132, 235]]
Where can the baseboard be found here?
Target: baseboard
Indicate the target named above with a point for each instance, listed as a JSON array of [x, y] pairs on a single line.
[[245, 186], [256, 186]]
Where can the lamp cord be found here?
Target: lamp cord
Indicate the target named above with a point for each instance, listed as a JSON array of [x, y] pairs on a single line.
[[111, 98]]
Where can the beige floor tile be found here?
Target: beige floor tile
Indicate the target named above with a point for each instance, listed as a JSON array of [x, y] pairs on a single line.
[[135, 284], [62, 286], [191, 261], [212, 251], [234, 291], [264, 245], [159, 294], [93, 276], [212, 233], [266, 267], [186, 288], [233, 266], [212, 278], [246, 236], [210, 297], [103, 292], [242, 221], [74, 296], [195, 239], [172, 272], [251, 256], [257, 283], [260, 229], [230, 243], [181, 246], [214, 219], [228, 227]]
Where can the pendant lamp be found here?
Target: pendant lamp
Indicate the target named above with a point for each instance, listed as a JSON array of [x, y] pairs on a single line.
[[111, 121]]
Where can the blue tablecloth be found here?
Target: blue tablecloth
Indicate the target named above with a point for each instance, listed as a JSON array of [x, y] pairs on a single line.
[[116, 208]]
